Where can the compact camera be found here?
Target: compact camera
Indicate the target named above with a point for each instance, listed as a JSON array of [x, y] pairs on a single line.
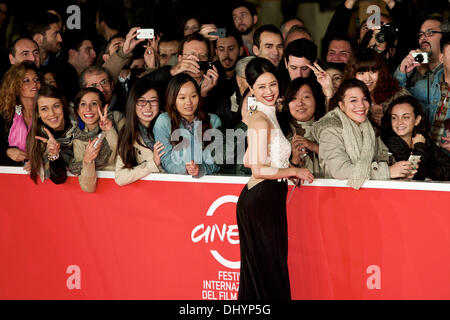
[[420, 57], [145, 34]]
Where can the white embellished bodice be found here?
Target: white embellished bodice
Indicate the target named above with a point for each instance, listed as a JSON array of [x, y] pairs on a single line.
[[279, 146]]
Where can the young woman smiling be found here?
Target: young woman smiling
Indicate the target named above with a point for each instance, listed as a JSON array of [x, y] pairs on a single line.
[[138, 154], [49, 143], [406, 131], [184, 119], [261, 208], [17, 92], [91, 154], [306, 105], [348, 147]]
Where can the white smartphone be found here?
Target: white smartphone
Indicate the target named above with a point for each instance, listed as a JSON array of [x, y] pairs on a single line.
[[145, 34], [100, 138], [251, 103], [414, 160]]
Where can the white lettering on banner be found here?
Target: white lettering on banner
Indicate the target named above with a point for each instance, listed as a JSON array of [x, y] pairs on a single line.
[[74, 281], [229, 233], [374, 281], [74, 21], [225, 288]]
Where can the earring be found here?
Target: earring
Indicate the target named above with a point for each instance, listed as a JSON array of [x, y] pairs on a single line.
[[279, 104]]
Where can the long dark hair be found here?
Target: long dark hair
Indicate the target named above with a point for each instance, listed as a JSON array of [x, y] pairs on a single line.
[[173, 89], [422, 128], [130, 131], [345, 85], [36, 148], [368, 60]]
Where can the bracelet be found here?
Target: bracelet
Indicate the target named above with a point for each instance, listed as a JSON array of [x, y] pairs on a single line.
[[52, 157]]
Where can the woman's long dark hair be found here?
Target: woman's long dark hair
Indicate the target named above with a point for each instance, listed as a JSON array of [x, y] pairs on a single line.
[[36, 148], [173, 89], [130, 131], [368, 60], [422, 128]]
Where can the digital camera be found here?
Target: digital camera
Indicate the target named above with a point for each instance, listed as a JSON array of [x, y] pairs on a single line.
[[420, 57], [388, 33]]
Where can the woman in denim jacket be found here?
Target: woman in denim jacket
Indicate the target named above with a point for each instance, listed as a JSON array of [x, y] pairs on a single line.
[[184, 130]]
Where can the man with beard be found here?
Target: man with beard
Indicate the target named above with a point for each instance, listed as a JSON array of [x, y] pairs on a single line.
[[245, 18], [228, 51], [429, 36]]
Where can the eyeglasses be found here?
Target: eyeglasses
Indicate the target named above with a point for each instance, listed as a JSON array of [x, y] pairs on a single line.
[[102, 83], [141, 103], [428, 33]]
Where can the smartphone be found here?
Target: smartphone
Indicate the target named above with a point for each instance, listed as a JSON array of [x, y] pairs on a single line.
[[205, 65], [414, 160], [221, 32], [251, 103], [100, 138], [145, 34]]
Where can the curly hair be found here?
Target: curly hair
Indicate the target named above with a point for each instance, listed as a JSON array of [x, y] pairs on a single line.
[[367, 59], [11, 87]]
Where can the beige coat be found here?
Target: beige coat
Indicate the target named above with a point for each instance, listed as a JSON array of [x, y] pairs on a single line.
[[88, 175], [146, 166], [334, 159]]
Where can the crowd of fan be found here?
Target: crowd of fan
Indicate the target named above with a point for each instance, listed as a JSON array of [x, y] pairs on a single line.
[[179, 102]]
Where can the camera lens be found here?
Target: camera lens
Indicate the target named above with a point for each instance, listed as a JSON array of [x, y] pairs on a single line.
[[419, 58], [380, 37]]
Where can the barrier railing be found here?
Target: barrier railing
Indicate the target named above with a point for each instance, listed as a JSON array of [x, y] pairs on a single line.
[[162, 239]]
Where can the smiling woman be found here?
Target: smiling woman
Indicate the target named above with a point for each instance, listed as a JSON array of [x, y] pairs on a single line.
[[348, 147], [95, 146], [49, 143], [138, 154], [18, 89]]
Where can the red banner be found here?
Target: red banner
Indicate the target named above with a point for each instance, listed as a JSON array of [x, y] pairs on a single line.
[[179, 240]]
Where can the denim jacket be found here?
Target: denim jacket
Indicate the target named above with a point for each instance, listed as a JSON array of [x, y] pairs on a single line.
[[175, 157], [420, 91]]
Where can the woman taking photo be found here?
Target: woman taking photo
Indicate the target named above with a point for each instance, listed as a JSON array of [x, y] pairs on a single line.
[[93, 151], [138, 154], [306, 105], [348, 147], [49, 143], [261, 208], [19, 87], [405, 132], [185, 120]]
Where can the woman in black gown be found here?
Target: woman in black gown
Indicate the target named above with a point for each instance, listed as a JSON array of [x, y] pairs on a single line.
[[261, 208]]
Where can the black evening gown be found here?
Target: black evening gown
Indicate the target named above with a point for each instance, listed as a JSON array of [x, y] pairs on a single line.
[[262, 224]]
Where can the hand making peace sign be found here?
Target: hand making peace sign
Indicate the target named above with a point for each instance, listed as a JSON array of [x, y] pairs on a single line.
[[105, 123], [323, 78], [52, 145]]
